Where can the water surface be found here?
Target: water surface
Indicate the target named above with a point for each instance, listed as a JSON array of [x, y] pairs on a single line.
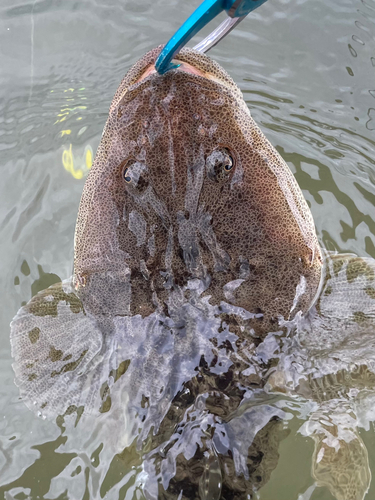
[[307, 71]]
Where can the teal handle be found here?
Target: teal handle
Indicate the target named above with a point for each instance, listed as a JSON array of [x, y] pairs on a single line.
[[207, 11]]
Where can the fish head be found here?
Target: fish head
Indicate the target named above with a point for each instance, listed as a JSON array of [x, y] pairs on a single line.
[[186, 187]]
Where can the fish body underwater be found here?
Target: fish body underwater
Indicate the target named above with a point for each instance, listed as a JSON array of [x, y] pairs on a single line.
[[199, 294]]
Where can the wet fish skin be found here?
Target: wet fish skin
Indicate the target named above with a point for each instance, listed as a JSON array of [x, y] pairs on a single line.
[[188, 213], [162, 206]]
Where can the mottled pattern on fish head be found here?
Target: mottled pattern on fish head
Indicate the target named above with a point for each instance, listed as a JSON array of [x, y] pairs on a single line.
[[184, 187]]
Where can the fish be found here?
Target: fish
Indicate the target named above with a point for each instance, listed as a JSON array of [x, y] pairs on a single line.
[[194, 191], [197, 273]]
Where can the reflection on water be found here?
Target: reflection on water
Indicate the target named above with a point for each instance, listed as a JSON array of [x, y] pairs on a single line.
[[184, 391], [311, 90]]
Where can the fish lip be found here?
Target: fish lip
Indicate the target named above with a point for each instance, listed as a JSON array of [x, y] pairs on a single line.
[[183, 66], [191, 62]]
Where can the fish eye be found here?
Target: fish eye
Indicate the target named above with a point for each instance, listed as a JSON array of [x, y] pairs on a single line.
[[228, 166], [135, 175], [219, 164], [127, 176]]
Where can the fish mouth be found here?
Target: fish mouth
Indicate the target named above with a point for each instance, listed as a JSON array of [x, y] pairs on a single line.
[[190, 61], [194, 64], [183, 66]]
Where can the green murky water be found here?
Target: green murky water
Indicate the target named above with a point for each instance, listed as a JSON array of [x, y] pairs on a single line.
[[307, 70]]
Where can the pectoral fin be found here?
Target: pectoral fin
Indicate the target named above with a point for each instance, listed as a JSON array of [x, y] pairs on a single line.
[[55, 347], [341, 464], [330, 360]]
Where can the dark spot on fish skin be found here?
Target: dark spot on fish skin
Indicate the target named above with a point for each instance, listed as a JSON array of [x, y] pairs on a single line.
[[214, 361], [337, 266], [203, 363], [45, 303], [106, 398], [145, 403], [104, 390], [55, 354], [224, 380], [32, 377], [42, 406], [360, 317], [70, 366], [227, 345], [328, 290], [370, 292], [69, 411], [358, 267], [214, 341], [142, 184], [120, 371], [69, 356], [34, 335]]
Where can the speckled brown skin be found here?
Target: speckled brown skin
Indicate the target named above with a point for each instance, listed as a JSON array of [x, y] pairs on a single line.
[[161, 206]]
